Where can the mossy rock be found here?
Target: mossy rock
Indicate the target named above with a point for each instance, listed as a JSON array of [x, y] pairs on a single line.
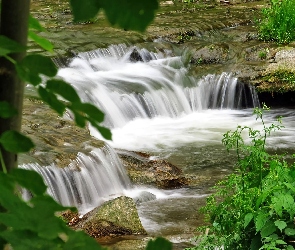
[[57, 139], [113, 218]]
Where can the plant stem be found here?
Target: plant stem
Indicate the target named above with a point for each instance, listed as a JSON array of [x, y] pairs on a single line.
[[4, 169]]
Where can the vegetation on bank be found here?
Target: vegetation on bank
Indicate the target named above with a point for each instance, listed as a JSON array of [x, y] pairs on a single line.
[[280, 81], [33, 224], [278, 22], [254, 207]]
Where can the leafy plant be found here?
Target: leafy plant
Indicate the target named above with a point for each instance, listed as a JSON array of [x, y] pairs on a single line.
[[32, 224], [262, 54], [254, 207], [278, 22]]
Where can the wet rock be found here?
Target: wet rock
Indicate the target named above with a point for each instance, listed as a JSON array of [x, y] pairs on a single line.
[[278, 76], [135, 56], [160, 173], [214, 53], [57, 140], [113, 218], [144, 196]]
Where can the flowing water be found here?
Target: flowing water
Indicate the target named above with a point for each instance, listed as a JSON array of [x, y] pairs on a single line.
[[87, 182], [153, 103]]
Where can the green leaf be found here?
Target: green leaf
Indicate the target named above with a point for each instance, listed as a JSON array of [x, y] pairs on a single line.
[[291, 187], [277, 204], [8, 199], [79, 119], [15, 142], [289, 247], [159, 244], [280, 242], [6, 186], [248, 219], [127, 14], [90, 110], [6, 110], [256, 242], [47, 205], [63, 89], [79, 240], [262, 198], [25, 75], [84, 10], [290, 231], [36, 217], [105, 132], [51, 100], [130, 14], [260, 221], [8, 46], [24, 178], [25, 239], [43, 42], [280, 224], [34, 24], [268, 229], [32, 66]]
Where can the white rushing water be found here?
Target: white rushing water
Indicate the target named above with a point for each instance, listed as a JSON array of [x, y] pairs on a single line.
[[87, 182], [152, 103], [160, 87]]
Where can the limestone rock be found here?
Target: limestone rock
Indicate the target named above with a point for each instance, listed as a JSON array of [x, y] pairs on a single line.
[[113, 218], [158, 172], [57, 139]]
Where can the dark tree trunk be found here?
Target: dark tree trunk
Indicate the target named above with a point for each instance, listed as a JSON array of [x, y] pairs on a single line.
[[14, 25]]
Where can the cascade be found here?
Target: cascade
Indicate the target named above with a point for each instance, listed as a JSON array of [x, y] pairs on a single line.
[[87, 182], [128, 83]]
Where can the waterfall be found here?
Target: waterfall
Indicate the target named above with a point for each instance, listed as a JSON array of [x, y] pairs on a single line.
[[87, 182], [128, 83]]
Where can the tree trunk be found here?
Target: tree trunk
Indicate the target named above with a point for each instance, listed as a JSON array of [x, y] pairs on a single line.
[[14, 25]]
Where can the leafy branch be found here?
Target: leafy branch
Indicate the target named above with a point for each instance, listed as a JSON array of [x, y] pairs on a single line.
[[33, 224]]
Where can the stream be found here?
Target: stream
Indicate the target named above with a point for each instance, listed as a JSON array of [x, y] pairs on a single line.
[[155, 101], [155, 105]]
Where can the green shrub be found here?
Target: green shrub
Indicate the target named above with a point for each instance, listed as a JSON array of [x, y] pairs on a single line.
[[254, 207], [278, 22]]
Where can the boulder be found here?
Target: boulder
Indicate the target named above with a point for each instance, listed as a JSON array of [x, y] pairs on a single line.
[[157, 172], [113, 218], [144, 196]]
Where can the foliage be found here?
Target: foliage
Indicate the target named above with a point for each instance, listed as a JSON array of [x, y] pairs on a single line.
[[159, 244], [127, 14], [254, 207], [32, 224], [278, 22], [282, 76], [262, 54], [281, 80]]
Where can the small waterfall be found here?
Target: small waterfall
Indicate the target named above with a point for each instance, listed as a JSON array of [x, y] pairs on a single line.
[[128, 83], [87, 182]]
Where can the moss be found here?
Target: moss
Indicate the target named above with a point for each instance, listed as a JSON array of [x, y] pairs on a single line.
[[280, 80], [122, 212], [115, 217]]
